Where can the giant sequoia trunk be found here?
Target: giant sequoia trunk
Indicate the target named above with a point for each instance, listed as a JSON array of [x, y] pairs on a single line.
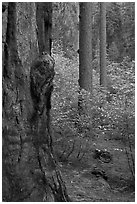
[[30, 171]]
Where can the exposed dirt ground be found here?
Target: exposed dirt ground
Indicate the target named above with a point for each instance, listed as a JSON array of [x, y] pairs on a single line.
[[83, 186]]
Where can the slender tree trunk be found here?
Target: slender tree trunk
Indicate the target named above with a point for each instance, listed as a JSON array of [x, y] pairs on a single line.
[[85, 64], [44, 25], [85, 47], [103, 73], [30, 171]]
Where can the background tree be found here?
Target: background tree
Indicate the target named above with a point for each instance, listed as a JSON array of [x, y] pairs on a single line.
[[85, 62], [85, 47], [128, 28], [44, 25], [114, 31], [119, 35], [65, 18], [120, 30], [103, 73]]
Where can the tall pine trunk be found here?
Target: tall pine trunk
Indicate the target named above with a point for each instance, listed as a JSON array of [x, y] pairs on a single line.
[[30, 171], [103, 73], [85, 63], [85, 47]]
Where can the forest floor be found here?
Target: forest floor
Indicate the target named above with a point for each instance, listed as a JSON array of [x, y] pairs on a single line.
[[83, 186]]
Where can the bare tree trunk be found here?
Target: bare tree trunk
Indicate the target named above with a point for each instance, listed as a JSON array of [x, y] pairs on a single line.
[[85, 63], [85, 47], [30, 172], [44, 24], [103, 73]]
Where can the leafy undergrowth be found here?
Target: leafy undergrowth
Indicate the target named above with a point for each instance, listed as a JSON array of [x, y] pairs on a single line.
[[110, 127]]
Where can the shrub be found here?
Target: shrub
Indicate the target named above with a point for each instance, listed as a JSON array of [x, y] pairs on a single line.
[[106, 117]]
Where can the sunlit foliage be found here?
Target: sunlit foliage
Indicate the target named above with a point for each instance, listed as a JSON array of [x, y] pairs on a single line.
[[109, 113]]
